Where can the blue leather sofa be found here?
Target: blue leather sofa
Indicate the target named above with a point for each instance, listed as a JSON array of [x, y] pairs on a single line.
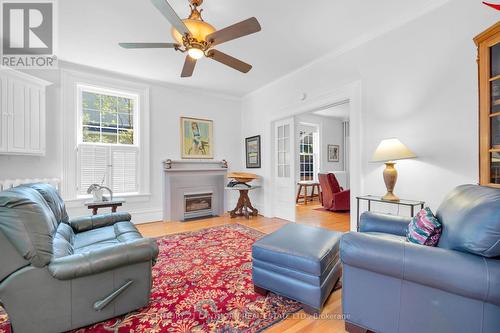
[[391, 285]]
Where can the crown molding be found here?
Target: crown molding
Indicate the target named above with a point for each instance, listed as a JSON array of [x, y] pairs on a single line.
[[71, 66]]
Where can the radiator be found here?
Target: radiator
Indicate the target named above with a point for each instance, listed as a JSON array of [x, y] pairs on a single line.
[[9, 183]]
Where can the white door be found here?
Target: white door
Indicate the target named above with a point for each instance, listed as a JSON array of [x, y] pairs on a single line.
[[284, 169]]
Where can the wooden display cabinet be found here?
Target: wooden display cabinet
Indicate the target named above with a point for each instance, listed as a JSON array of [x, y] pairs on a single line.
[[488, 45]]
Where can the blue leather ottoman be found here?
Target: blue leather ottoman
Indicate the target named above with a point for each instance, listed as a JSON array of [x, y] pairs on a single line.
[[298, 262]]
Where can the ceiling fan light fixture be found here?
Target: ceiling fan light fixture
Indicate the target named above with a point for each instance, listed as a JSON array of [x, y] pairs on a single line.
[[199, 30], [197, 38], [196, 53]]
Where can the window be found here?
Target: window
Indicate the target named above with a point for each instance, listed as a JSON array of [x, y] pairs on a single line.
[[306, 155], [108, 140], [107, 117]]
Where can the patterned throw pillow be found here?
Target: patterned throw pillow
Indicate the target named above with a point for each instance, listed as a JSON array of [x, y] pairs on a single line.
[[424, 229]]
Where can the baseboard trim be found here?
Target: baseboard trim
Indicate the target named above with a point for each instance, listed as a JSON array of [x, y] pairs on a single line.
[[146, 216]]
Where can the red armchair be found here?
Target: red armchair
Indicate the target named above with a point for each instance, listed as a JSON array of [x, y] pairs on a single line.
[[335, 198]]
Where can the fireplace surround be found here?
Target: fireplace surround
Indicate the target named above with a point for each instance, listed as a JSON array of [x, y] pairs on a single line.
[[193, 189]]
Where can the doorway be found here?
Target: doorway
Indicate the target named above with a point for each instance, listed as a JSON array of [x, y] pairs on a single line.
[[284, 184], [322, 147]]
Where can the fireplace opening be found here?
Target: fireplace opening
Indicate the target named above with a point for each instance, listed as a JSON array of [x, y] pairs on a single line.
[[198, 205]]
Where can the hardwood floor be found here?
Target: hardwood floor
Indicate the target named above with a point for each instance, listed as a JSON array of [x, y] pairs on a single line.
[[314, 214], [331, 317]]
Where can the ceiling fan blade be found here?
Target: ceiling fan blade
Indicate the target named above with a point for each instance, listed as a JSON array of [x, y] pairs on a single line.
[[164, 7], [244, 28], [149, 45], [229, 61], [189, 65]]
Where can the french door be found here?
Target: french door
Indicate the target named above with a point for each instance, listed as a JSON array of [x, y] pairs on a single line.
[[284, 169]]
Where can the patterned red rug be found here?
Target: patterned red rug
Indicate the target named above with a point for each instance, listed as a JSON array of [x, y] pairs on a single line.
[[202, 282]]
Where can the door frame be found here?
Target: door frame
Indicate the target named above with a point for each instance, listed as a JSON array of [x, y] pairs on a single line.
[[353, 93]]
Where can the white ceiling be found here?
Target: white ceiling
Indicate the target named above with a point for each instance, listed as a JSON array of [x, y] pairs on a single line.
[[340, 111], [294, 33]]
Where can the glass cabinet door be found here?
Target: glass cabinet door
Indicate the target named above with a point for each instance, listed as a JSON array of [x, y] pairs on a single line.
[[488, 44], [495, 114]]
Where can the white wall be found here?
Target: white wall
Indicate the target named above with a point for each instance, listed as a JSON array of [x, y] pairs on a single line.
[[331, 132], [419, 83], [168, 104]]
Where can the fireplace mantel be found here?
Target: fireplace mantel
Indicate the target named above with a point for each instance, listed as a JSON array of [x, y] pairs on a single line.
[[177, 166], [183, 178]]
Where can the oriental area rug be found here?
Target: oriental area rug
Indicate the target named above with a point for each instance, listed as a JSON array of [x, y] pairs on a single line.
[[202, 282]]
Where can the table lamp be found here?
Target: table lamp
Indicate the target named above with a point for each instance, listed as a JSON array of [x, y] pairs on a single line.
[[388, 151]]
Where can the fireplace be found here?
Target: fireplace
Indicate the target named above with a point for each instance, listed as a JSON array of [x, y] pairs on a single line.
[[193, 189], [198, 205]]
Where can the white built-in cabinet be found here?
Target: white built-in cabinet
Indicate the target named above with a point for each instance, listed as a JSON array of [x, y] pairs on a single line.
[[22, 114]]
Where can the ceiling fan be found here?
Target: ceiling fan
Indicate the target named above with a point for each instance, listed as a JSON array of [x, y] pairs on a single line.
[[198, 38]]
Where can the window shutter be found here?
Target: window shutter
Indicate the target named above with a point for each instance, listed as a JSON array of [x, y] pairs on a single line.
[[93, 165], [124, 170]]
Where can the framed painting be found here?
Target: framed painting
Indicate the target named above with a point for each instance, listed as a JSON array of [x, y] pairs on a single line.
[[197, 138], [252, 145], [333, 153]]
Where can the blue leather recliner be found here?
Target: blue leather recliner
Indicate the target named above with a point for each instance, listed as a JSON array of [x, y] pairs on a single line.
[[58, 274], [391, 285]]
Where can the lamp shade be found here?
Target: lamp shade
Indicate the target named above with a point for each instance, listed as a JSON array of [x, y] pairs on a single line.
[[391, 150]]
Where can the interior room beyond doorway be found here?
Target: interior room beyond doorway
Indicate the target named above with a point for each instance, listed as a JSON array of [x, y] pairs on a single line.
[[322, 173]]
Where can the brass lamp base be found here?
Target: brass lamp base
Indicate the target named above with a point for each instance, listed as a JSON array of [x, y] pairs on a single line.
[[390, 197], [390, 178]]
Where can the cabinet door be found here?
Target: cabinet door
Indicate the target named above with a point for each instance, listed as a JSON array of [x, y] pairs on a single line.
[[36, 120], [3, 114], [494, 115], [26, 118], [18, 115], [489, 105], [22, 114]]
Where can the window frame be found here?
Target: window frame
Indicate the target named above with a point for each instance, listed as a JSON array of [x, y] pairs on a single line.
[[71, 78], [81, 88], [302, 144], [111, 147]]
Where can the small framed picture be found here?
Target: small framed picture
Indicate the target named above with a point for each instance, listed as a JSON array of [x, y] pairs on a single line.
[[333, 153], [197, 138], [252, 145]]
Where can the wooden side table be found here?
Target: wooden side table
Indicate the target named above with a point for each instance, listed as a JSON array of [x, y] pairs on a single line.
[[114, 204], [244, 206], [305, 185], [372, 198]]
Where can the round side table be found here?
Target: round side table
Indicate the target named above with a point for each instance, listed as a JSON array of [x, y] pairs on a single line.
[[244, 206]]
